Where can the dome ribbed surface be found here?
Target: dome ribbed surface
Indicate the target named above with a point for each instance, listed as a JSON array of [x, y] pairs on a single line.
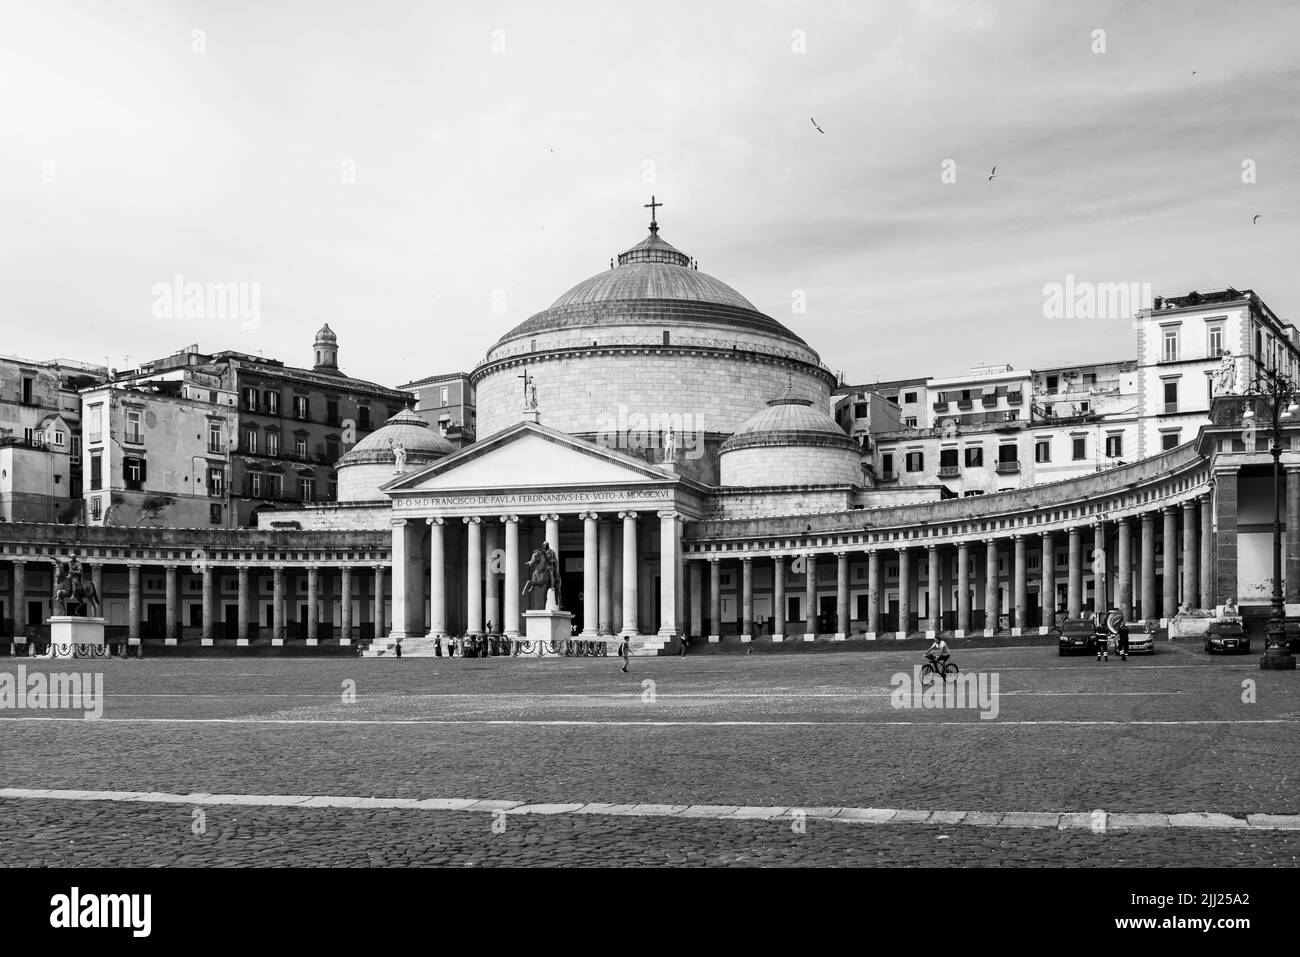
[[790, 420]]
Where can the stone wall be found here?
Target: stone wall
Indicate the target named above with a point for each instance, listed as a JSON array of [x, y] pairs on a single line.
[[768, 465]]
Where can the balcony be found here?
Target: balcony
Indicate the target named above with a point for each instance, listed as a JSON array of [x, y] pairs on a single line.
[[889, 477], [989, 401], [941, 406], [949, 471], [1015, 398], [1009, 468], [965, 403]]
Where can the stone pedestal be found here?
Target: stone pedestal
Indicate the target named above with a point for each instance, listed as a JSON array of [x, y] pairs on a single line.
[[549, 625], [72, 636]]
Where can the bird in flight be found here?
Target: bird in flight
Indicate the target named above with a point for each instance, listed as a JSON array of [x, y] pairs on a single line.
[[993, 173], [1255, 220], [814, 123]]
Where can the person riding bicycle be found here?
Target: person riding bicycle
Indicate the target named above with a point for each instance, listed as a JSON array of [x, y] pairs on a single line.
[[937, 654]]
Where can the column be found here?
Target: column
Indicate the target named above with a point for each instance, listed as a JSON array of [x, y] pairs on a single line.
[[97, 579], [277, 605], [715, 599], [1125, 587], [552, 521], [1021, 572], [20, 597], [904, 591], [1225, 534], [437, 579], [474, 574], [491, 585], [590, 574], [991, 609], [379, 601], [173, 631], [132, 603], [778, 598], [1148, 566], [668, 568], [842, 622], [207, 604], [1207, 545], [1074, 592], [697, 598], [810, 597], [605, 586], [397, 627], [1191, 552], [1047, 583], [746, 598], [511, 624], [1170, 546], [1100, 563], [630, 626], [313, 623], [936, 592], [873, 592], [345, 605], [963, 589], [242, 575]]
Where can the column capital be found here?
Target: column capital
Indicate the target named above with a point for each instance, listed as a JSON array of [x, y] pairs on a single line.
[[1191, 503], [242, 569], [589, 516], [747, 559], [434, 521], [779, 559], [1075, 531], [1148, 517], [667, 513], [472, 520], [1018, 537], [626, 515], [549, 517], [932, 547], [713, 559], [843, 553], [399, 522], [1169, 509], [509, 519]]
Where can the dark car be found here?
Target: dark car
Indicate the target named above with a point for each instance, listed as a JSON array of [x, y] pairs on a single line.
[[1077, 634], [1226, 636]]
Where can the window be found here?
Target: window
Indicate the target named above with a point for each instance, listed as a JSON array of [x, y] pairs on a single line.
[[274, 486], [272, 443], [887, 463], [95, 507], [1168, 440], [1114, 446], [1170, 351], [332, 411], [974, 491], [1053, 383], [76, 448], [250, 441], [859, 410], [910, 421], [974, 456], [306, 488], [255, 484], [27, 389], [272, 403], [250, 400], [915, 461], [96, 422], [1080, 443], [1008, 454], [96, 471], [332, 490], [29, 436], [1043, 450], [216, 483], [214, 436], [1214, 341], [133, 471], [363, 418], [1085, 407], [133, 433], [1171, 397], [947, 461], [1090, 380], [300, 407], [445, 395], [332, 451], [909, 397], [444, 422], [214, 513], [300, 448], [59, 436]]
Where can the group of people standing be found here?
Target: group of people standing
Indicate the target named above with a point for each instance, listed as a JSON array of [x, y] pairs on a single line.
[[1112, 627]]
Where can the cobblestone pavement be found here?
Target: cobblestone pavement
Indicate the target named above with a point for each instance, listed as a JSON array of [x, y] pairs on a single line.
[[1165, 734]]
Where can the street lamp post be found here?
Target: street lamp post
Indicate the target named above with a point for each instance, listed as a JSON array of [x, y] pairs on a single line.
[[1280, 394]]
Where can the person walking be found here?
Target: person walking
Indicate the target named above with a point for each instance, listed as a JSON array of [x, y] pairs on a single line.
[[624, 652]]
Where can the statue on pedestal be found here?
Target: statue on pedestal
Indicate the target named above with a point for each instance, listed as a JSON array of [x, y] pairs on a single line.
[[73, 588], [399, 455], [1225, 377], [543, 572], [670, 445]]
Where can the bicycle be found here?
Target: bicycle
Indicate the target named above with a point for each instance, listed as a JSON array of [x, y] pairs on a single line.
[[941, 668]]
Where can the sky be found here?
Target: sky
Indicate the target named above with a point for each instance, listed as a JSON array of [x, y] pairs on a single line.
[[425, 176]]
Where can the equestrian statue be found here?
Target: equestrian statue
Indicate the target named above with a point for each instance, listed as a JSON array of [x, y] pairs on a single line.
[[543, 572], [74, 592]]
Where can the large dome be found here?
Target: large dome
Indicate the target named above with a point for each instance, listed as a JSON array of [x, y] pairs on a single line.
[[654, 284]]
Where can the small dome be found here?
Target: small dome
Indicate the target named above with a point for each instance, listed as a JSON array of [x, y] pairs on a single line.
[[326, 334], [790, 419], [422, 444]]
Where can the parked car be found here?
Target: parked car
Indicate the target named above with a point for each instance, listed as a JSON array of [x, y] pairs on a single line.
[[1226, 636], [1141, 640], [1076, 634]]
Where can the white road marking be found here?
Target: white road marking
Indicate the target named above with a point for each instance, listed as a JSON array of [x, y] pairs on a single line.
[[974, 722], [1098, 821], [630, 695]]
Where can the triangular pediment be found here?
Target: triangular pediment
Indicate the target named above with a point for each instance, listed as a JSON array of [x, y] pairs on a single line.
[[530, 456]]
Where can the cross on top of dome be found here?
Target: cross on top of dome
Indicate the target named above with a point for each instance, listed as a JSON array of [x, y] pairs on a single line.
[[654, 226]]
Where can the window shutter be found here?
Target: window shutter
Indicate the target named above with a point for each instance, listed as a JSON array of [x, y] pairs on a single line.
[[143, 470]]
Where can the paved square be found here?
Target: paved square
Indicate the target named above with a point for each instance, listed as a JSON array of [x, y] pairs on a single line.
[[712, 760]]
